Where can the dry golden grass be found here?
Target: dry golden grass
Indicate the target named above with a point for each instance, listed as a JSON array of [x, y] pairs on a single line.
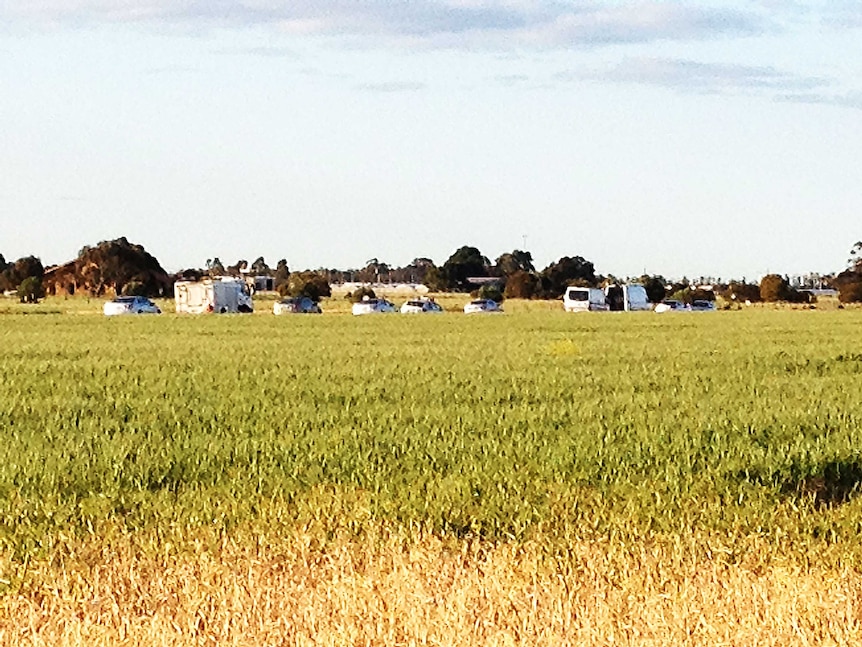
[[387, 590]]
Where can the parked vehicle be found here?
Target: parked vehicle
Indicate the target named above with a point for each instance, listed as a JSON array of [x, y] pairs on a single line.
[[628, 297], [578, 299], [482, 305], [672, 305], [702, 305], [130, 306], [295, 305], [372, 306], [220, 295], [417, 306]]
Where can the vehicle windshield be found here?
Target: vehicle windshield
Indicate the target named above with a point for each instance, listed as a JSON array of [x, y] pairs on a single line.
[[578, 295]]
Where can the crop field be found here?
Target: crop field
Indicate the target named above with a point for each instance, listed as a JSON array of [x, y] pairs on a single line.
[[530, 478]]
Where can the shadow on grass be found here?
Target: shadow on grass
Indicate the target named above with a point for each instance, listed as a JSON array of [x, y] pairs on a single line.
[[832, 483]]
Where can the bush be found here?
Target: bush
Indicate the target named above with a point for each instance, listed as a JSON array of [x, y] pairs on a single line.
[[360, 293], [490, 291], [521, 285], [774, 287], [135, 289], [850, 292], [313, 285], [30, 290]]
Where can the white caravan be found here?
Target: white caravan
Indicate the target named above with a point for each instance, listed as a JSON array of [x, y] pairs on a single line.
[[628, 297], [222, 294], [577, 299]]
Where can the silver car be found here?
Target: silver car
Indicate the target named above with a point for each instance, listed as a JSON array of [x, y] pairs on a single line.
[[130, 306]]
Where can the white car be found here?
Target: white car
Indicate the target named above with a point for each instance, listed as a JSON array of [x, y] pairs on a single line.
[[672, 305], [371, 306], [130, 306], [415, 306], [482, 305], [298, 305]]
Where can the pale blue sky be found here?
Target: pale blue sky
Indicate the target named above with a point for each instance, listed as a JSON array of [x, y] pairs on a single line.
[[715, 138]]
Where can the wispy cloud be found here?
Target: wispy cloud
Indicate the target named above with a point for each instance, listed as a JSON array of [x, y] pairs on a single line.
[[449, 23], [693, 76], [264, 51], [391, 86], [843, 14], [846, 100]]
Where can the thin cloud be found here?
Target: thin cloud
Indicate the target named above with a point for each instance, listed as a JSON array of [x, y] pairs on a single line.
[[264, 52], [693, 76], [847, 100], [436, 23], [843, 14], [391, 86]]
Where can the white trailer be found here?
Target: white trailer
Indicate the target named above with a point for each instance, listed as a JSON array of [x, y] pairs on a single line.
[[222, 294], [578, 299]]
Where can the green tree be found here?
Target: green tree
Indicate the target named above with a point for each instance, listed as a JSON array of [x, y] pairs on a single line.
[[282, 274], [112, 264], [850, 292], [30, 290], [516, 261], [569, 270], [464, 263], [854, 263], [215, 267], [521, 285], [740, 292], [238, 268], [25, 267], [774, 287], [313, 285], [655, 287], [490, 291], [260, 268], [360, 293]]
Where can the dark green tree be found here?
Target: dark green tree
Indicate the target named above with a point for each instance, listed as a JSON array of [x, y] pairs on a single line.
[[282, 274], [15, 273], [774, 287], [435, 280], [569, 270], [655, 287], [260, 268], [516, 261], [464, 263], [215, 267], [741, 291], [314, 285], [112, 264], [521, 285], [30, 290], [850, 292], [490, 291]]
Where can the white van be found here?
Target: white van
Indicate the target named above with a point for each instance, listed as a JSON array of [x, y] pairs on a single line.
[[577, 299], [628, 297]]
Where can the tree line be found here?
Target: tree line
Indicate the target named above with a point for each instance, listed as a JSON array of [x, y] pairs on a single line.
[[123, 268]]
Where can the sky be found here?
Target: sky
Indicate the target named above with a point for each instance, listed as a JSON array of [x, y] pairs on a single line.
[[677, 138]]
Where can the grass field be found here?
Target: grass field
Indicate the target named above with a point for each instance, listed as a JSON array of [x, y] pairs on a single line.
[[530, 478]]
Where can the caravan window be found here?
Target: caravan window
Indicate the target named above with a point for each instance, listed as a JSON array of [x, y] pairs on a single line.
[[579, 295]]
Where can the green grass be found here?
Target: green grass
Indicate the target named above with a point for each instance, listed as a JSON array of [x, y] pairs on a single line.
[[535, 424]]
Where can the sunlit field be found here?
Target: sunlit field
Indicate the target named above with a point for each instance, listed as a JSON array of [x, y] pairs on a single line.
[[530, 478]]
